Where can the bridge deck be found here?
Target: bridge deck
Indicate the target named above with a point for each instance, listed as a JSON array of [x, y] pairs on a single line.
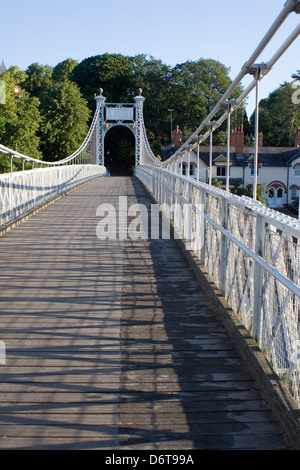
[[112, 344]]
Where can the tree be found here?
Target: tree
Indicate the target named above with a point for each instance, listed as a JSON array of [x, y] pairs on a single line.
[[153, 76], [196, 88], [279, 117], [63, 70], [64, 120], [111, 72], [191, 89], [38, 77], [261, 192], [19, 118]]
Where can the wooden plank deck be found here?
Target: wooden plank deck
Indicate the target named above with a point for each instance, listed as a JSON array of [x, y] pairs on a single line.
[[112, 344]]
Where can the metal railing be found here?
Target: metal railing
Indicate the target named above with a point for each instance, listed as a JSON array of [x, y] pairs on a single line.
[[258, 71], [23, 191], [251, 253]]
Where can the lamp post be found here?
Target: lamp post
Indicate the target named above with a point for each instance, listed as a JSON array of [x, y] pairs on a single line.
[[17, 96], [211, 125], [257, 71], [171, 111], [17, 92], [228, 105]]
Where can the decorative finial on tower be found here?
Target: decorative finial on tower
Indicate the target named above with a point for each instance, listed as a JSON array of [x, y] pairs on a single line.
[[140, 91], [98, 96]]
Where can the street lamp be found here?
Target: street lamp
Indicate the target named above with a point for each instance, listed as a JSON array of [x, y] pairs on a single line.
[[171, 111], [17, 92], [17, 95]]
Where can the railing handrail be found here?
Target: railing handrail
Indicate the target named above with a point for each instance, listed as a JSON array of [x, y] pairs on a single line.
[[273, 217], [250, 253], [197, 138]]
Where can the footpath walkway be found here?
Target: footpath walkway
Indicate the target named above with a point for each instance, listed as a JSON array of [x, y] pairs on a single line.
[[111, 344]]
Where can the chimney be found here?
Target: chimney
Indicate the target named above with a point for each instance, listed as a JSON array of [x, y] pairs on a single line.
[[297, 137], [237, 140], [177, 138]]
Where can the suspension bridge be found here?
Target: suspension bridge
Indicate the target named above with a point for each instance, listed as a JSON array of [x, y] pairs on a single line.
[[155, 312]]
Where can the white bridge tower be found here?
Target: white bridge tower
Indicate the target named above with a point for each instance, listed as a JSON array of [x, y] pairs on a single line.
[[129, 115]]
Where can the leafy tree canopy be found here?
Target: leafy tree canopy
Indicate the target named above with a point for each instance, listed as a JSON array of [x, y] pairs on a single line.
[[19, 118], [64, 120], [55, 107], [38, 77], [279, 117], [63, 70], [112, 72]]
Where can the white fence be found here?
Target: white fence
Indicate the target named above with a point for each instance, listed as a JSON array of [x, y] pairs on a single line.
[[23, 191], [252, 254]]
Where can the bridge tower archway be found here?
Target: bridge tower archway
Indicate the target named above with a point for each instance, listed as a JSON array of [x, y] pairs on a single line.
[[129, 115], [119, 148]]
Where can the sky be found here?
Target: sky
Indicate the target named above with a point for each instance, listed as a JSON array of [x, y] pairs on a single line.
[[173, 31]]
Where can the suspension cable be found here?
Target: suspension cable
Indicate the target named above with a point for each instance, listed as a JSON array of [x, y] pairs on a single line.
[[13, 154], [289, 7]]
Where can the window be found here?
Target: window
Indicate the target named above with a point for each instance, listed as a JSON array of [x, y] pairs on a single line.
[[271, 193], [221, 170], [192, 169], [297, 170], [293, 192]]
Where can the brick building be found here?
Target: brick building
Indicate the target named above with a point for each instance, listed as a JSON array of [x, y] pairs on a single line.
[[278, 167]]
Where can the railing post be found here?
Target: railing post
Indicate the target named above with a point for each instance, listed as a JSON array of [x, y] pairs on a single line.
[[211, 126], [10, 186], [258, 278], [188, 219], [228, 105], [179, 202], [223, 248], [256, 71], [203, 226], [199, 140], [198, 160]]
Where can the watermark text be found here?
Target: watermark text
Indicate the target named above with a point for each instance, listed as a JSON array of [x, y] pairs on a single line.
[[122, 221]]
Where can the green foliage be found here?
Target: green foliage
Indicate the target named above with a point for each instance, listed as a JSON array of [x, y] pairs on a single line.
[[197, 87], [154, 78], [191, 89], [63, 71], [56, 105], [261, 192], [64, 120], [217, 183], [112, 72], [119, 150], [279, 117], [19, 118], [38, 77]]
